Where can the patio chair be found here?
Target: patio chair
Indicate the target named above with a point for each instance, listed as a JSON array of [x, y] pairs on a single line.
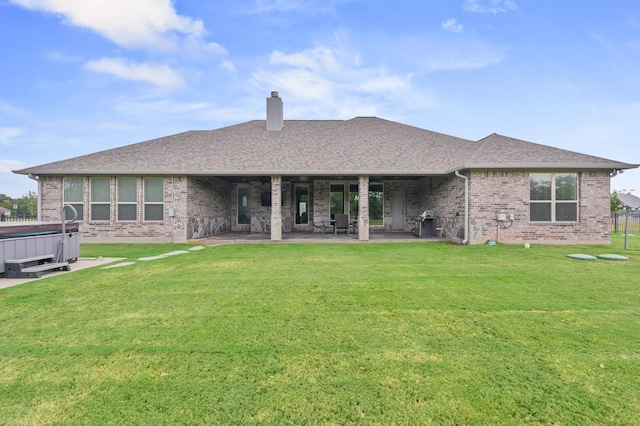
[[342, 224]]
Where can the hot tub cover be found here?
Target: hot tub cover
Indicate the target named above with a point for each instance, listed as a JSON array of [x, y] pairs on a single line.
[[27, 229]]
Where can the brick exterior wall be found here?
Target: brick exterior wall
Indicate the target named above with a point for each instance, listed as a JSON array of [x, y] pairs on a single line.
[[169, 229], [508, 192], [196, 207], [320, 208], [442, 197], [193, 207], [51, 197]]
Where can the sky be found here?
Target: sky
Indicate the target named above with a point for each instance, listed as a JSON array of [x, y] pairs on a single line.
[[81, 76]]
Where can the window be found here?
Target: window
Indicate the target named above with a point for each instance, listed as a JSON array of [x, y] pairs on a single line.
[[127, 198], [376, 204], [153, 199], [553, 197], [74, 195], [336, 200], [244, 205], [302, 204], [100, 198]]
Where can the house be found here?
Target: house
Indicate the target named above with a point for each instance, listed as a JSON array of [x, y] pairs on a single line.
[[4, 214], [278, 176]]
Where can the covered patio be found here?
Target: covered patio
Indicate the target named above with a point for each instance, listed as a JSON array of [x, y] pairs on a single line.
[[294, 207]]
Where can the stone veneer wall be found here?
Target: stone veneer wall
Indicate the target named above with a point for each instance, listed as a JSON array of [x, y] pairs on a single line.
[[508, 192], [209, 206]]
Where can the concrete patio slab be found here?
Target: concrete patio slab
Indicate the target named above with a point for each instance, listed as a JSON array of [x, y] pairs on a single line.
[[82, 263], [309, 237]]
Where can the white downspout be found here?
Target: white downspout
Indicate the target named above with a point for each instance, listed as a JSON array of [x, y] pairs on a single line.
[[39, 201], [466, 206]]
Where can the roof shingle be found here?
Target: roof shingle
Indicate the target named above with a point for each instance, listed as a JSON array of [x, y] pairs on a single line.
[[362, 145]]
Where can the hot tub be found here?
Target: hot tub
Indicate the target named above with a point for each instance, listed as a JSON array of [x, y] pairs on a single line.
[[21, 240]]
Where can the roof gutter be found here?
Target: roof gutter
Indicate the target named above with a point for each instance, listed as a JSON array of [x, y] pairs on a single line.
[[466, 206]]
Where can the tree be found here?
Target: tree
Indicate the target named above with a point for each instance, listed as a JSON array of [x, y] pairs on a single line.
[[616, 204], [6, 202], [29, 203]]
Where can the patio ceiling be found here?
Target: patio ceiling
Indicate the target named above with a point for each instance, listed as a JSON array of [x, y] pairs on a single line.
[[309, 179]]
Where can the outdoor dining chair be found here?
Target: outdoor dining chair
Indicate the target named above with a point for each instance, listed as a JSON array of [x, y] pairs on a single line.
[[342, 223]]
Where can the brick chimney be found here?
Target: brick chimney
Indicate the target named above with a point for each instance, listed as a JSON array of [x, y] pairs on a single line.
[[274, 112]]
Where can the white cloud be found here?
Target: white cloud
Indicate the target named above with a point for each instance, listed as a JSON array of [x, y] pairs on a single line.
[[321, 58], [452, 25], [12, 111], [140, 23], [299, 6], [228, 66], [490, 6], [9, 165], [418, 55], [159, 75], [326, 82], [7, 133], [59, 56]]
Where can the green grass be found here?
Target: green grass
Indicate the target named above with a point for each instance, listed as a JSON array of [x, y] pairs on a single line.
[[398, 333]]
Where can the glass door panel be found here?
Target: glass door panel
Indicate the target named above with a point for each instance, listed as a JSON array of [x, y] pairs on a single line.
[[302, 205]]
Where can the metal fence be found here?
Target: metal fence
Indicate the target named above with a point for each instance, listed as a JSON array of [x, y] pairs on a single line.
[[619, 221], [18, 218]]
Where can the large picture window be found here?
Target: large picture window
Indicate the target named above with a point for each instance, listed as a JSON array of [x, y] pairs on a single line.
[[127, 198], [74, 195], [153, 199], [376, 204], [336, 200], [100, 198], [553, 197]]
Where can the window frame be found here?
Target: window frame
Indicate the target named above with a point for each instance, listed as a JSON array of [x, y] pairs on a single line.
[[121, 203], [380, 203], [78, 204], [95, 204], [300, 191], [337, 205], [244, 190], [553, 202], [149, 204]]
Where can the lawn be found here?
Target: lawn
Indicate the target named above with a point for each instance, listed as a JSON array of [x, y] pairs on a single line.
[[389, 333]]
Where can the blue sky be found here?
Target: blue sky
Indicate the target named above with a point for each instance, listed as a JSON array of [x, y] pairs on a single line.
[[80, 76]]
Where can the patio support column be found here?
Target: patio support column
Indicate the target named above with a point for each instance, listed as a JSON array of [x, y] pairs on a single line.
[[363, 208], [276, 208]]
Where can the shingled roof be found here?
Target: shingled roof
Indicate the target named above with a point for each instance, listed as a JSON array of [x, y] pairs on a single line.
[[362, 145]]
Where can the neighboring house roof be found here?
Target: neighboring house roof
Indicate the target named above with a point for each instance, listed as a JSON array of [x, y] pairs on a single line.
[[629, 200], [362, 145]]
